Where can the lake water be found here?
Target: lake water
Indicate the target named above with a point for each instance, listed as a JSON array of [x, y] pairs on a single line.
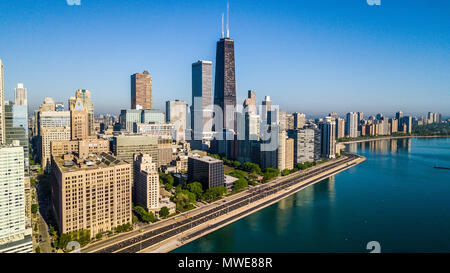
[[396, 198]]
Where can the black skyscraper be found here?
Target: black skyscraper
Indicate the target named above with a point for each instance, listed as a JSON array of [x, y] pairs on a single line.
[[225, 82]]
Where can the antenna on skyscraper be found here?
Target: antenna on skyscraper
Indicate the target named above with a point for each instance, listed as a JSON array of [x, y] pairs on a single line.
[[222, 27], [228, 19]]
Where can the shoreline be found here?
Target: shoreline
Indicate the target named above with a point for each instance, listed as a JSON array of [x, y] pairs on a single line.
[[203, 229], [170, 242], [386, 138]]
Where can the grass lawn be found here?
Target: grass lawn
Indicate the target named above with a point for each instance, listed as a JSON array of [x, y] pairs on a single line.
[[227, 169]]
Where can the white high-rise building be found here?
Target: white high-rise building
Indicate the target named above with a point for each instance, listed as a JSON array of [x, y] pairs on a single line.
[[176, 115], [14, 236], [351, 125], [20, 95]]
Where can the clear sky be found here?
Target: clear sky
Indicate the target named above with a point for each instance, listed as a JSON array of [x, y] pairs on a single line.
[[309, 56]]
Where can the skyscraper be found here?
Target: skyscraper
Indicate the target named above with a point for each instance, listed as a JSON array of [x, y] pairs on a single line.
[[79, 121], [225, 82], [299, 120], [340, 128], [14, 236], [16, 127], [85, 96], [141, 91], [399, 117], [351, 125], [176, 114], [2, 105], [328, 137], [304, 140], [202, 104], [20, 95]]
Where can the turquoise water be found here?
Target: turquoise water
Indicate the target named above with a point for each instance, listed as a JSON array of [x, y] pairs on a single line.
[[396, 197]]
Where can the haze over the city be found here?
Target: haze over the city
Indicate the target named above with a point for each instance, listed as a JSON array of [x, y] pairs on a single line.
[[309, 56]]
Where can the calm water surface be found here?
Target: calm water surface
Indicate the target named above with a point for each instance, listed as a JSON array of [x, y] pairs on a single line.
[[396, 197]]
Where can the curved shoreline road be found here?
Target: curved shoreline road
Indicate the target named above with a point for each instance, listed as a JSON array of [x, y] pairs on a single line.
[[160, 237]]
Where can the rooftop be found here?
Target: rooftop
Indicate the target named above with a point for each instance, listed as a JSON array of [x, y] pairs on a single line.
[[71, 163], [208, 159]]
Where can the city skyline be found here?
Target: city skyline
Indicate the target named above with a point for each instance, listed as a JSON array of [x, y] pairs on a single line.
[[392, 86]]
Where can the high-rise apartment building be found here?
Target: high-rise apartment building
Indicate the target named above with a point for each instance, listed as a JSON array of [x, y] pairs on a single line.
[[20, 95], [394, 125], [206, 170], [176, 115], [399, 117], [225, 82], [92, 193], [407, 124], [281, 156], [202, 104], [53, 126], [360, 117], [141, 91], [289, 154], [328, 137], [299, 120], [289, 122], [146, 182], [351, 125], [340, 128], [303, 144], [14, 236]]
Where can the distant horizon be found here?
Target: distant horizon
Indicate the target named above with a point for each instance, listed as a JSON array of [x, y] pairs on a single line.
[[309, 57]]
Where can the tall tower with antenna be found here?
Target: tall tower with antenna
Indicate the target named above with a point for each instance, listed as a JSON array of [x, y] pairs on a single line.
[[225, 80]]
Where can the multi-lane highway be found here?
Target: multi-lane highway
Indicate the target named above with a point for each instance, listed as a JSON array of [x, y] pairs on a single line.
[[260, 195]]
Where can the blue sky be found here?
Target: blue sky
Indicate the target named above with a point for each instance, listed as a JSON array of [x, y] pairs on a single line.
[[309, 56]]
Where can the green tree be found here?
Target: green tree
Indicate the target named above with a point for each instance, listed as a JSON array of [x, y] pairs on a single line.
[[251, 167], [215, 193], [196, 188], [37, 250], [240, 185], [270, 173], [164, 212], [64, 239], [144, 216], [181, 200], [253, 177], [236, 164], [34, 208]]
